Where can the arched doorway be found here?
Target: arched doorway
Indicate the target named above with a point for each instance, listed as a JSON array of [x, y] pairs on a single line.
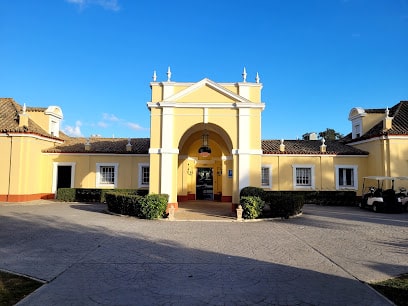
[[205, 176]]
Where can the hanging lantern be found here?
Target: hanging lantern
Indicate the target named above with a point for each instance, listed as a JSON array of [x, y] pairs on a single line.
[[204, 150]]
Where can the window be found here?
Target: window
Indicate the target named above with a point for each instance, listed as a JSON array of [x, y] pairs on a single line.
[[106, 175], [144, 175], [357, 131], [303, 176], [346, 177], [266, 181]]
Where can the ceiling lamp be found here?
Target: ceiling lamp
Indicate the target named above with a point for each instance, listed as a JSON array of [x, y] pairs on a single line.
[[204, 150]]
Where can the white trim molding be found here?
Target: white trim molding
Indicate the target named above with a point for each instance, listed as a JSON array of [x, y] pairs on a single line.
[[98, 183], [55, 174], [310, 186], [269, 167], [354, 185], [140, 183]]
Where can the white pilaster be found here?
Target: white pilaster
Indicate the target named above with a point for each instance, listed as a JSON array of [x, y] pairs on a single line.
[[244, 149]]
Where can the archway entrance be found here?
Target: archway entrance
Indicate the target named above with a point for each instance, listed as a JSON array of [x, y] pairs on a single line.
[[204, 176]]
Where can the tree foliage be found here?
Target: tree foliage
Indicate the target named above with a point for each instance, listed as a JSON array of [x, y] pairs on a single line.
[[330, 134]]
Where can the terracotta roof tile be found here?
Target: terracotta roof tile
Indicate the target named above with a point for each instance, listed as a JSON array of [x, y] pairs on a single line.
[[309, 147], [102, 145], [399, 113], [9, 110]]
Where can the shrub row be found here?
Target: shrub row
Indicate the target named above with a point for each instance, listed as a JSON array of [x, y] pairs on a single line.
[[257, 202], [339, 198], [91, 194], [150, 206]]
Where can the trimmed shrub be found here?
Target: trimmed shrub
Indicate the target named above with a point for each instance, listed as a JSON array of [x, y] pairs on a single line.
[[122, 203], [252, 191], [252, 207], [285, 205], [95, 195], [153, 206], [66, 194]]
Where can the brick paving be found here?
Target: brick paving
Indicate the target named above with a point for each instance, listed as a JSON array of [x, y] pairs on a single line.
[[88, 257]]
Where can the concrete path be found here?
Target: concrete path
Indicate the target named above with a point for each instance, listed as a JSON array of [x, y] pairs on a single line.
[[88, 257]]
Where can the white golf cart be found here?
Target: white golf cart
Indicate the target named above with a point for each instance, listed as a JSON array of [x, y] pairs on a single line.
[[378, 199]]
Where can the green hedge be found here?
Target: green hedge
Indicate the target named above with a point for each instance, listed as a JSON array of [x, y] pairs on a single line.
[[92, 194], [283, 204], [150, 206], [252, 191]]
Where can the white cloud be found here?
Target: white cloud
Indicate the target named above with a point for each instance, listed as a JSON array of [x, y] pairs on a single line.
[[134, 126], [74, 131], [110, 117], [111, 5], [102, 124]]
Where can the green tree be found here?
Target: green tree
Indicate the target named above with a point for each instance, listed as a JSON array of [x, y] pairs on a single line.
[[330, 134]]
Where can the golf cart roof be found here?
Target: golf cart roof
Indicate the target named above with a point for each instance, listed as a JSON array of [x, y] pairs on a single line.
[[383, 178], [379, 178]]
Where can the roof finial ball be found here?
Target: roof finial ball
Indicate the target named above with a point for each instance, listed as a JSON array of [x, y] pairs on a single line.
[[168, 74], [244, 75]]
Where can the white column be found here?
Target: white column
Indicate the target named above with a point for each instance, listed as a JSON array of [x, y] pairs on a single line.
[[243, 148], [167, 168]]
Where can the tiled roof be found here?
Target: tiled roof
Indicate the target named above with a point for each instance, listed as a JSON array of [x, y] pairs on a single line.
[[309, 147], [9, 110], [102, 145], [399, 113]]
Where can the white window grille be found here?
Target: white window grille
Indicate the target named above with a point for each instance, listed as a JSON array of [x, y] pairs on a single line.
[[346, 177], [106, 175], [303, 176], [266, 181]]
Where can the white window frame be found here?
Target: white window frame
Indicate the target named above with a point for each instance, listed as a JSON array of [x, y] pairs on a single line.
[[55, 174], [312, 178], [98, 183], [269, 185], [357, 128], [355, 177], [141, 184]]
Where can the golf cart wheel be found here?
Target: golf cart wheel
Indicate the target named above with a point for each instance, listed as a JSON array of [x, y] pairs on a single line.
[[376, 207]]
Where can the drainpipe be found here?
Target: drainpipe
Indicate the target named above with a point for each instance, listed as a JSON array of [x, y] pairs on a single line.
[[10, 162]]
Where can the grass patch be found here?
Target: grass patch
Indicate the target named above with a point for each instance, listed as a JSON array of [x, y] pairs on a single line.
[[395, 289], [14, 288]]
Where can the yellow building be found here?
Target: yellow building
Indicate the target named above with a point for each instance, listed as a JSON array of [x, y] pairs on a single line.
[[205, 143]]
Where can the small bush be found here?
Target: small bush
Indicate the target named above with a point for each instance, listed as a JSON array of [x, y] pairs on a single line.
[[66, 194], [252, 207], [153, 206]]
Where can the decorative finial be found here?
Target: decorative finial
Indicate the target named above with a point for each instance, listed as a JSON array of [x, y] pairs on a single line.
[[323, 141], [24, 108], [154, 76], [387, 112], [282, 141], [244, 75], [168, 74], [257, 78]]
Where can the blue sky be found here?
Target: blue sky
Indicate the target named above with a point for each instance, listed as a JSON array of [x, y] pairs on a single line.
[[317, 59]]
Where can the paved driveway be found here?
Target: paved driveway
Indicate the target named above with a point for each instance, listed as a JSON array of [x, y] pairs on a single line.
[[88, 257]]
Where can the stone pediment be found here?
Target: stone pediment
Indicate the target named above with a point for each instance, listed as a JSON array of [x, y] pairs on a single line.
[[206, 91]]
